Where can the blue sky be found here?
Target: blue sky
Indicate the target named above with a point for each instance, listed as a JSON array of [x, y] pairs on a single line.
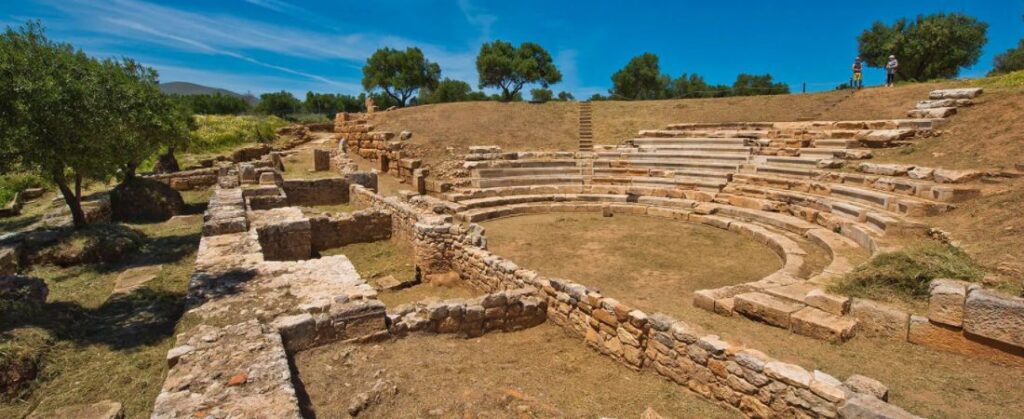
[[267, 45]]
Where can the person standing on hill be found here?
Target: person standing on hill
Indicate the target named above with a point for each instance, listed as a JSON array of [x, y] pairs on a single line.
[[858, 78], [890, 71]]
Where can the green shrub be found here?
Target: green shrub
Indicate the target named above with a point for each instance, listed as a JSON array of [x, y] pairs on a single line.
[[905, 274], [13, 183], [1014, 79], [216, 133], [308, 118]]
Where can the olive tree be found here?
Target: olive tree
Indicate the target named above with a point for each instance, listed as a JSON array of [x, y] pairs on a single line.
[[928, 47], [507, 67], [400, 74], [70, 117]]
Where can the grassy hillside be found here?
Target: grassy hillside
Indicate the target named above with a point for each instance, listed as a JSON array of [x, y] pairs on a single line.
[[186, 88], [552, 126]]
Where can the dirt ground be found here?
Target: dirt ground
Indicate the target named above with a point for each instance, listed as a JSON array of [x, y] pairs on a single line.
[[924, 381], [540, 372], [651, 263], [383, 258]]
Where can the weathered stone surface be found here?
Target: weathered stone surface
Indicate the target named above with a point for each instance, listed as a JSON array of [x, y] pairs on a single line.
[[145, 200], [866, 407], [932, 113], [959, 93], [946, 302], [827, 387], [885, 169], [790, 374], [133, 278], [818, 324], [955, 176], [106, 409], [321, 160], [921, 173], [995, 316], [878, 320], [769, 309], [831, 303], [867, 385], [942, 103]]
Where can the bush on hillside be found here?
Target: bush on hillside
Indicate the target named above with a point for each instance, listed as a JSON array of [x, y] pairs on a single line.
[[1009, 61], [540, 95], [905, 274], [216, 133]]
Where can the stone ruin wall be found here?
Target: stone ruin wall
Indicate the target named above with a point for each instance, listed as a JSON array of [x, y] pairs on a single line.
[[358, 136], [743, 378]]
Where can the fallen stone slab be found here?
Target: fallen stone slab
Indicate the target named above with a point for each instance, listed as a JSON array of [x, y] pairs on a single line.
[[932, 113], [106, 409], [955, 176], [961, 93], [884, 169], [943, 103], [134, 278], [867, 407], [867, 385], [995, 316]]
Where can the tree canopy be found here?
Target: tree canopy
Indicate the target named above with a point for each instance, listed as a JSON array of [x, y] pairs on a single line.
[[70, 117], [447, 90], [753, 85], [641, 78], [400, 73], [541, 95], [928, 47], [215, 104], [279, 104], [507, 67], [1011, 60]]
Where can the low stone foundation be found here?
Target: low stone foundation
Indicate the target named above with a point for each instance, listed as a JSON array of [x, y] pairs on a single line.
[[501, 311]]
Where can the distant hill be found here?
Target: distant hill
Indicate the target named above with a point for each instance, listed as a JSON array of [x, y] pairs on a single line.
[[186, 88]]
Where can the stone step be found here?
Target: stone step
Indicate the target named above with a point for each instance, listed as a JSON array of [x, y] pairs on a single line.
[[531, 171], [742, 156], [671, 182], [526, 180], [727, 148], [670, 164], [495, 164], [932, 113], [961, 93], [835, 143], [693, 173], [656, 141], [793, 161]]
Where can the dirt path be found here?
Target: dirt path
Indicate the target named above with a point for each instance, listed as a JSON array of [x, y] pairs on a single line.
[[539, 372]]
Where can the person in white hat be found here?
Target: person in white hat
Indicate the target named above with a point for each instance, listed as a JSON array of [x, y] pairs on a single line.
[[890, 71]]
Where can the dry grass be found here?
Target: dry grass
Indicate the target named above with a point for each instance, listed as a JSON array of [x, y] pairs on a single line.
[[102, 347], [539, 372], [986, 136], [925, 381]]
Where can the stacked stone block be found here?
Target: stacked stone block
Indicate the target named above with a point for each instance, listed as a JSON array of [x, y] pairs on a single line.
[[361, 139], [501, 311]]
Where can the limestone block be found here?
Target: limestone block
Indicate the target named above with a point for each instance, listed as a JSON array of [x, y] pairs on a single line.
[[995, 316], [923, 332], [960, 93], [878, 320], [769, 309], [831, 303], [932, 113], [827, 387], [885, 169], [790, 374], [863, 406], [268, 178], [946, 302], [955, 176], [247, 173], [867, 385], [818, 324], [921, 173]]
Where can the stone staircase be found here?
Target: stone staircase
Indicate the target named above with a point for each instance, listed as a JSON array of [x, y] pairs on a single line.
[[586, 127]]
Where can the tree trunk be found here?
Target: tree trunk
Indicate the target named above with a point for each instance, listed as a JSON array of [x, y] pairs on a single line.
[[129, 172], [71, 198]]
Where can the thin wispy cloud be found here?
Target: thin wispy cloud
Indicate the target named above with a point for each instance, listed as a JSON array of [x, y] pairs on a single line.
[[238, 38], [482, 21]]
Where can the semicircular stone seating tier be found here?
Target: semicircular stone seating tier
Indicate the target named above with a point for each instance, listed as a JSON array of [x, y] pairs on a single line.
[[773, 181]]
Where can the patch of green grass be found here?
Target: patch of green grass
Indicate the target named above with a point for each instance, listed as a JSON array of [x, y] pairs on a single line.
[[904, 275], [13, 183], [378, 259], [217, 133], [1014, 79]]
